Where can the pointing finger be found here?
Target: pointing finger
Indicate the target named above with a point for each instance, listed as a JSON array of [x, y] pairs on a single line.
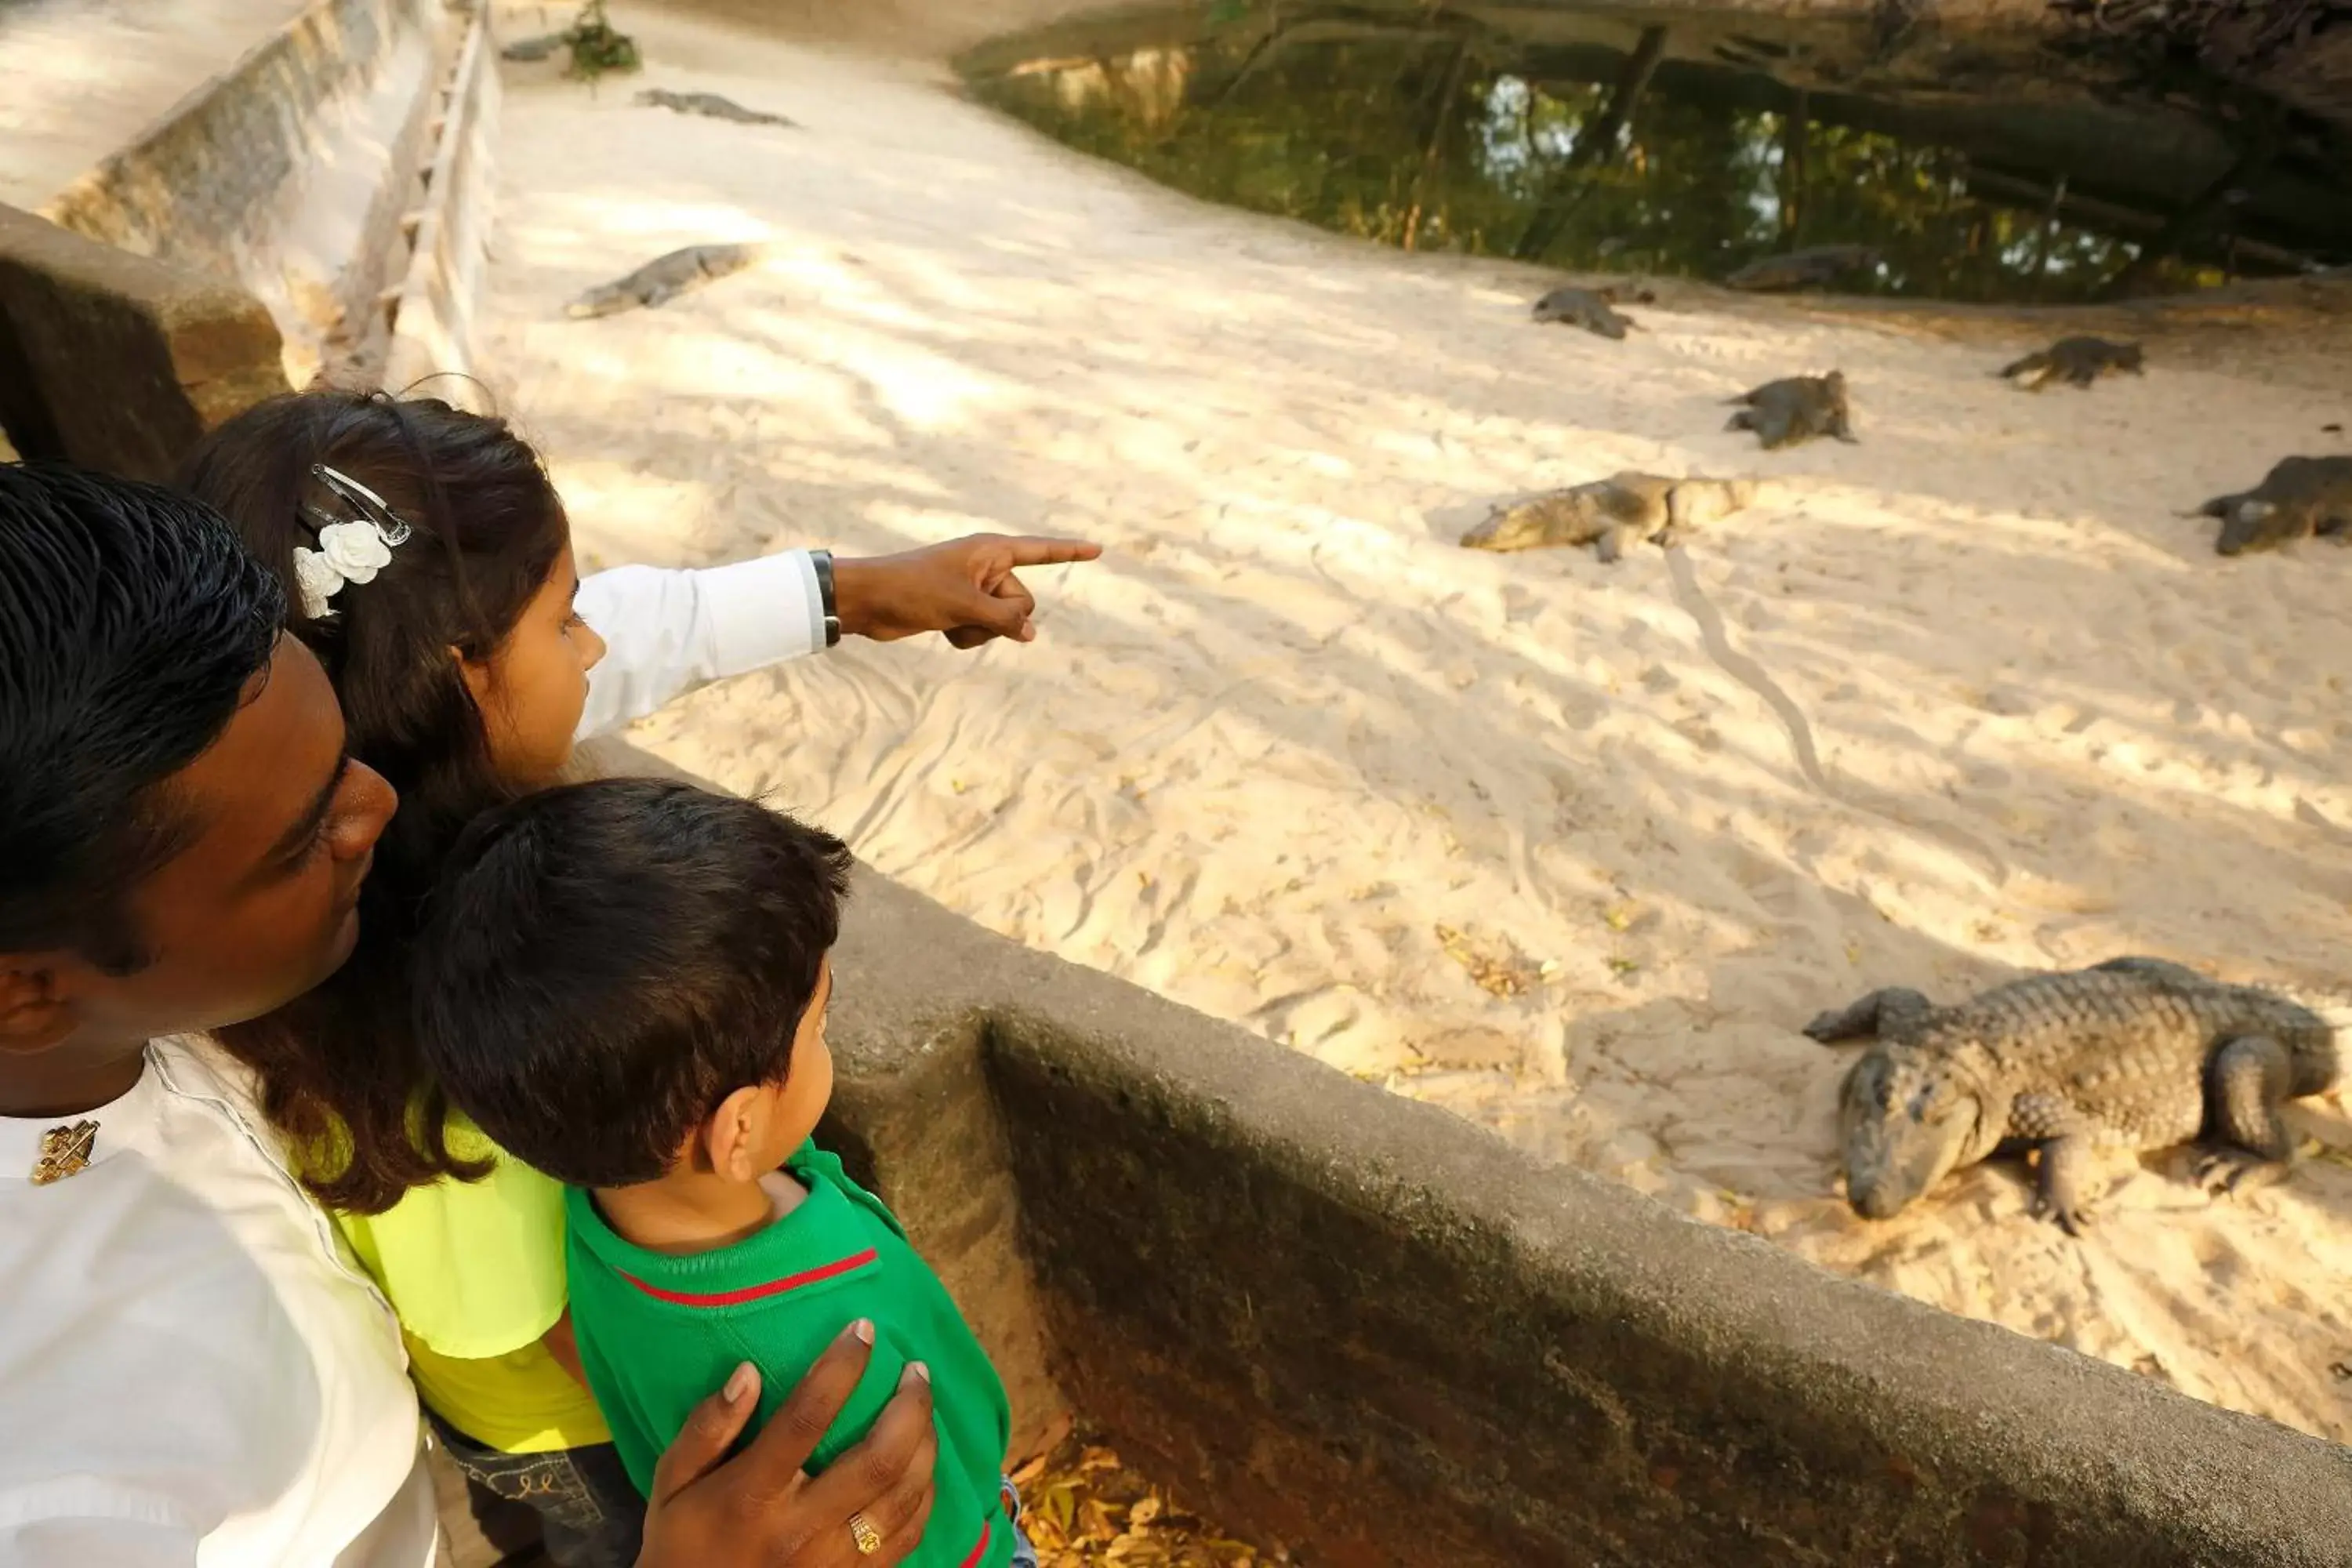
[[1042, 552]]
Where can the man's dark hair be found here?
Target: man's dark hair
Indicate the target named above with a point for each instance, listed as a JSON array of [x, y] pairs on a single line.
[[133, 626], [604, 964]]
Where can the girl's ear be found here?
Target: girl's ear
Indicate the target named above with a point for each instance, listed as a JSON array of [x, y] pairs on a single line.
[[735, 1135], [477, 676]]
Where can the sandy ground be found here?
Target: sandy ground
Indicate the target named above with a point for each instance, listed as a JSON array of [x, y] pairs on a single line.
[[1570, 849]]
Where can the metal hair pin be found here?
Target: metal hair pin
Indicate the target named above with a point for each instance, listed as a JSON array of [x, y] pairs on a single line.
[[351, 550]]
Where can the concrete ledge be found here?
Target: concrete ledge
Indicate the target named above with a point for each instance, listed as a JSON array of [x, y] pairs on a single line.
[[180, 354], [1369, 1330], [287, 174]]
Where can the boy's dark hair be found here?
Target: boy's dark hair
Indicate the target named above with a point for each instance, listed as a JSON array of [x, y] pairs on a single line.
[[605, 963], [133, 626], [338, 1070]]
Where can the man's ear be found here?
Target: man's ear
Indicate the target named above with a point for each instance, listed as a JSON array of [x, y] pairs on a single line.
[[733, 1135], [33, 1015]]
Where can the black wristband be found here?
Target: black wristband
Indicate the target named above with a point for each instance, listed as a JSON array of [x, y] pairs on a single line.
[[823, 561]]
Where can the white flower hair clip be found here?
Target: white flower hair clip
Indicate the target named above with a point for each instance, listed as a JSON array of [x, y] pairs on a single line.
[[350, 550]]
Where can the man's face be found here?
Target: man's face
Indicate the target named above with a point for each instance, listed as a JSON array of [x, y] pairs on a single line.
[[263, 903]]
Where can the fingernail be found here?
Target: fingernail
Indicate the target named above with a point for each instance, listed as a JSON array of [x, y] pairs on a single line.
[[918, 1370], [864, 1330], [739, 1385]]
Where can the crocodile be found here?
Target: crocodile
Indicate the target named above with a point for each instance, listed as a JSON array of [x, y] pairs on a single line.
[[2301, 497], [1783, 412], [711, 105], [2078, 362], [2137, 1053], [1611, 513], [665, 277], [1584, 307], [1802, 269], [542, 47]]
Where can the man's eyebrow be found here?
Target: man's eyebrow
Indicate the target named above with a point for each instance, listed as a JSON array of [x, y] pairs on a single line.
[[298, 837]]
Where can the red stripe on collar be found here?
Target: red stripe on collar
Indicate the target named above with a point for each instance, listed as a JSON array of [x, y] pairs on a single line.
[[980, 1551], [754, 1292]]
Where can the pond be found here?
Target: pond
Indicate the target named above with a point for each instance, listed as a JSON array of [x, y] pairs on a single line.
[[1694, 144]]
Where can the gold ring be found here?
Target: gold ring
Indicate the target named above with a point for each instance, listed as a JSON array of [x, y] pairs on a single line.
[[869, 1539]]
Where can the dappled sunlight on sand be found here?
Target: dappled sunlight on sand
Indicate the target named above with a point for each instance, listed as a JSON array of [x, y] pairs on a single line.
[[1500, 832]]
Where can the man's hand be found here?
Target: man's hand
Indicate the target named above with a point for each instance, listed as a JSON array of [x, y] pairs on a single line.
[[965, 588], [761, 1509]]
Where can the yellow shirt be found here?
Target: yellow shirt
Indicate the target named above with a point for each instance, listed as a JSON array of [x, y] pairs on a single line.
[[476, 1271]]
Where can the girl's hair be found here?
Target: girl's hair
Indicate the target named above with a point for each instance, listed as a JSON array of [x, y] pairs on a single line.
[[340, 1072]]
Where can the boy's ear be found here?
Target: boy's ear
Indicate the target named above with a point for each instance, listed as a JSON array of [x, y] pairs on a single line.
[[735, 1133], [33, 1015]]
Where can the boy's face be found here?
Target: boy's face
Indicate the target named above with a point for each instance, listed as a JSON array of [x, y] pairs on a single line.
[[795, 1105]]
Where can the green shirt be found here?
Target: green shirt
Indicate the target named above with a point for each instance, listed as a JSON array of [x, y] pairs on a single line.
[[657, 1334]]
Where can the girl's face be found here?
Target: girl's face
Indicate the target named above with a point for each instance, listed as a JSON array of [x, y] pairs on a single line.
[[531, 689]]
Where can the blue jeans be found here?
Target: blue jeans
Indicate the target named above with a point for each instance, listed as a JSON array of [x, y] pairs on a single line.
[[589, 1516], [1023, 1555]]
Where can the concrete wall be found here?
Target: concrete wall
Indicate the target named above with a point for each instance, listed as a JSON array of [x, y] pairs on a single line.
[[432, 313], [1364, 1328], [288, 173], [117, 361]]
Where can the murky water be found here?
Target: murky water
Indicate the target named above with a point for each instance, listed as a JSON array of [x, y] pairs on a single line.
[[1694, 148]]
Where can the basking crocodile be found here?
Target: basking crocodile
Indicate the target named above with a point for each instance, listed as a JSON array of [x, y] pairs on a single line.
[[2136, 1052], [1783, 412], [1585, 308], [2078, 362], [2299, 499], [1613, 513], [665, 277], [711, 105], [542, 47], [1802, 269]]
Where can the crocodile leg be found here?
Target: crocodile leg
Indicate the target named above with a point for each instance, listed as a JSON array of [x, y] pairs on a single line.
[[2062, 1167], [2244, 1086], [1880, 1013]]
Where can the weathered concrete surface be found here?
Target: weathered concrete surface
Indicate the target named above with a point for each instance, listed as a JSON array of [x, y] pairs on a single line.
[[1370, 1330], [180, 354], [289, 172], [80, 79]]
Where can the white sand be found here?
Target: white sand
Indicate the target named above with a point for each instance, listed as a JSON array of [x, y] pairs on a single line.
[[1287, 733]]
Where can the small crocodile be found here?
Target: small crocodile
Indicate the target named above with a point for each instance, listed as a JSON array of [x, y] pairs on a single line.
[[1611, 514], [2137, 1053], [2078, 362], [711, 105], [2301, 497], [1783, 412], [665, 277], [539, 48], [1589, 308], [1802, 269]]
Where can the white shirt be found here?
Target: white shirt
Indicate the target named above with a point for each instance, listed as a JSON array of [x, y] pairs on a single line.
[[192, 1371], [665, 632], [189, 1371]]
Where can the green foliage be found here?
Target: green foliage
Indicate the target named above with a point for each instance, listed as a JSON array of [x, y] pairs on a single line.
[[596, 49], [1424, 139]]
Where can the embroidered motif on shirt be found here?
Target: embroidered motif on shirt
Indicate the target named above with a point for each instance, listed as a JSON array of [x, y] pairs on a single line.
[[63, 1151]]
